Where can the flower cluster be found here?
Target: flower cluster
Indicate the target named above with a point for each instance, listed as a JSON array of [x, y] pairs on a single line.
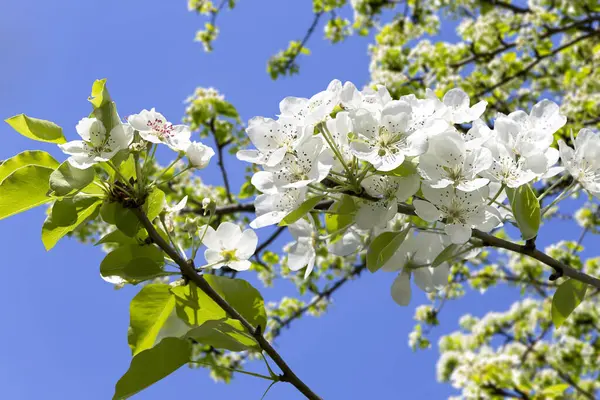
[[147, 127], [437, 154]]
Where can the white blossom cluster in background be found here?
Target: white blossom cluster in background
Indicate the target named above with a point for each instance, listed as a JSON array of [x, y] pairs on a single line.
[[388, 152]]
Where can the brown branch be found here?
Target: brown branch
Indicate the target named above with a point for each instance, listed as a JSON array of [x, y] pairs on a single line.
[[560, 268], [188, 270]]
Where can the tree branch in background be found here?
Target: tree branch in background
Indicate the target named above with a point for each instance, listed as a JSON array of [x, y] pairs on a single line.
[[539, 59], [220, 147]]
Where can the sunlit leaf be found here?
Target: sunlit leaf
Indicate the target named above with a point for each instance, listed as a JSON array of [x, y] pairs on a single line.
[[526, 209], [25, 188], [567, 297], [133, 263], [37, 129], [66, 216], [68, 178], [148, 312], [152, 365], [29, 157], [301, 211], [383, 247]]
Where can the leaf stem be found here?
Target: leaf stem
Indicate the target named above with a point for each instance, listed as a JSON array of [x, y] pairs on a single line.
[[241, 371]]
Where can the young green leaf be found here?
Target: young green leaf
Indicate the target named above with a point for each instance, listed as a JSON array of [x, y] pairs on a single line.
[[194, 307], [526, 209], [228, 334], [99, 96], [343, 209], [383, 247], [133, 263], [567, 297], [66, 216], [105, 109], [242, 296], [25, 188], [116, 237], [148, 312], [115, 214], [68, 178], [301, 211], [37, 129], [155, 203], [29, 157], [152, 365]]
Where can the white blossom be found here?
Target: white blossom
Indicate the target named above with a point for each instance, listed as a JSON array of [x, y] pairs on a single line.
[[96, 145], [448, 161], [270, 209], [372, 99], [229, 246], [389, 190], [385, 141], [273, 140], [413, 258], [154, 128], [302, 252], [583, 162], [302, 111], [199, 154], [462, 211], [310, 163], [456, 109]]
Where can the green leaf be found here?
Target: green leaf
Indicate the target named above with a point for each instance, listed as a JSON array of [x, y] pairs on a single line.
[[155, 203], [567, 297], [66, 216], [447, 254], [116, 237], [242, 296], [152, 365], [105, 109], [68, 178], [29, 157], [301, 211], [99, 96], [133, 263], [127, 167], [526, 209], [37, 129], [195, 307], [225, 109], [115, 214], [555, 390], [25, 188], [344, 210], [148, 312], [228, 334], [383, 247]]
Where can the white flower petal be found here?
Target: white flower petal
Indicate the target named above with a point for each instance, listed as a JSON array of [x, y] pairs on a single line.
[[427, 211], [401, 289]]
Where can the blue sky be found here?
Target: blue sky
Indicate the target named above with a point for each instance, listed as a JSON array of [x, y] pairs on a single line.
[[64, 334]]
